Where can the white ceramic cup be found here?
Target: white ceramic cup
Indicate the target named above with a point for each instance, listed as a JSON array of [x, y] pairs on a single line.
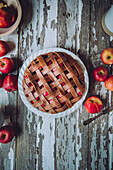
[[107, 21]]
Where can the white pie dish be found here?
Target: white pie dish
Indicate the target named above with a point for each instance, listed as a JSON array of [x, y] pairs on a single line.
[[20, 80]]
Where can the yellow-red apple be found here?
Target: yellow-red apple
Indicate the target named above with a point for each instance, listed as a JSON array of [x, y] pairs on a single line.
[[10, 83], [93, 104], [100, 74], [7, 16], [6, 134], [3, 48], [6, 65], [109, 83], [107, 56]]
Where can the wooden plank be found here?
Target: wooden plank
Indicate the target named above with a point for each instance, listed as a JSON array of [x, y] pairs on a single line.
[[45, 143], [110, 137], [83, 51], [98, 134], [46, 126], [32, 38], [110, 123], [28, 43], [61, 143], [71, 139], [48, 24], [8, 104]]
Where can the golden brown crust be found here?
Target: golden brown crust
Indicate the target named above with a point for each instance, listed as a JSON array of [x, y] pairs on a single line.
[[53, 82]]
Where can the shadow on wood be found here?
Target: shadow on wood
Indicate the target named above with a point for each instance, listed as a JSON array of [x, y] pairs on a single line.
[[18, 63], [11, 111], [26, 13], [11, 46]]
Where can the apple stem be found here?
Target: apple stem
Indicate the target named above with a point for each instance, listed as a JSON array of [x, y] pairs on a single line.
[[92, 101], [3, 64], [101, 73], [7, 120], [3, 136], [108, 57]]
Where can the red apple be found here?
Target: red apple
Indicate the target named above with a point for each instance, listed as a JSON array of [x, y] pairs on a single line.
[[3, 48], [107, 56], [93, 104], [100, 74], [10, 83], [6, 65], [6, 134], [7, 16], [1, 80], [109, 83]]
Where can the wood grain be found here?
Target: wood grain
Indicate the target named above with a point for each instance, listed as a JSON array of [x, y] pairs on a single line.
[[59, 143], [98, 136], [71, 140], [8, 105]]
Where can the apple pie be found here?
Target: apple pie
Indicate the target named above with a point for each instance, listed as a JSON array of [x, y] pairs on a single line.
[[53, 82]]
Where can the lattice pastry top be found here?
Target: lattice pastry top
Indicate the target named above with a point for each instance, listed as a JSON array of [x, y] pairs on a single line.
[[53, 82]]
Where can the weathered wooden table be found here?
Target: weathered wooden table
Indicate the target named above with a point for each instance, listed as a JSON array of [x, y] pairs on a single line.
[[60, 143]]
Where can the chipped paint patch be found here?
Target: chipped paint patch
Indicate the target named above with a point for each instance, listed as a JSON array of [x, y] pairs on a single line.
[[110, 93], [29, 118], [44, 24], [103, 38], [4, 101], [53, 25], [79, 142], [94, 31], [111, 38], [45, 141], [47, 16], [35, 127], [110, 135], [88, 46], [70, 16], [29, 35], [80, 6], [62, 24], [95, 48], [103, 151], [93, 149], [66, 149], [11, 157], [102, 90], [98, 146]]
